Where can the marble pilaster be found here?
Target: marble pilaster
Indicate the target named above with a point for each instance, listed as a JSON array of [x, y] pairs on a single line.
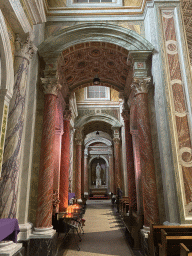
[[12, 147], [130, 162], [150, 203], [45, 188], [65, 162]]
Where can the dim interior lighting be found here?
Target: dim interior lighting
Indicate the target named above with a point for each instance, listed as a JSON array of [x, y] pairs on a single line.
[[97, 133], [96, 80]]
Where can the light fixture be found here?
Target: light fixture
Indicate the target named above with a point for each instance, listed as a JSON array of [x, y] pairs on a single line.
[[97, 133], [96, 80]]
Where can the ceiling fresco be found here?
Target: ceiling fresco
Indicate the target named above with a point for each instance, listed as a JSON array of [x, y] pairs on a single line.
[[81, 63]]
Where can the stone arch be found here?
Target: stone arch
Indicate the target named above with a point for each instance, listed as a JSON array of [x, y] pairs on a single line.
[[101, 32], [97, 117], [7, 71], [93, 157], [102, 140]]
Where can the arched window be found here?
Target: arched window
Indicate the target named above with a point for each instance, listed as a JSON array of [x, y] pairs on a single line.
[[97, 93]]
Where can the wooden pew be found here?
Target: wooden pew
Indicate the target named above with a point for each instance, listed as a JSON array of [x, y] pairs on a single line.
[[124, 201], [155, 235], [170, 243], [134, 223], [184, 251]]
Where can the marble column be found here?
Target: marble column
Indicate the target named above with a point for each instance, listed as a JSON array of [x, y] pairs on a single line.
[[71, 160], [150, 203], [117, 158], [79, 142], [86, 175], [57, 163], [65, 162], [130, 162], [46, 174], [111, 176], [12, 147], [138, 174]]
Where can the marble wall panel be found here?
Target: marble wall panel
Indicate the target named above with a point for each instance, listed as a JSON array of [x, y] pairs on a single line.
[[179, 108]]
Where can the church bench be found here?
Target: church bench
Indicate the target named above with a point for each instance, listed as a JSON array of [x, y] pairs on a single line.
[[155, 235], [124, 205], [184, 251], [133, 224], [170, 243]]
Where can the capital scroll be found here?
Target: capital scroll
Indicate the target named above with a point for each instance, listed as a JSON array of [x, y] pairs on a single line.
[[140, 85]]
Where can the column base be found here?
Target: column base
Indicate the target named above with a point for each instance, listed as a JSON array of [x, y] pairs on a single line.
[[43, 244], [8, 248], [25, 231], [43, 233]]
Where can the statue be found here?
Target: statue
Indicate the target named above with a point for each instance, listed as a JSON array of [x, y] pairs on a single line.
[[98, 171]]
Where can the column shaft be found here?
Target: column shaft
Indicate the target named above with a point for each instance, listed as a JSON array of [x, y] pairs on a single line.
[[111, 177], [12, 146], [150, 203], [65, 164], [78, 171], [117, 163], [86, 175], [130, 165], [57, 161], [45, 187]]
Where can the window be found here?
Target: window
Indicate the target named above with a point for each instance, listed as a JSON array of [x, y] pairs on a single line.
[[97, 93], [94, 3]]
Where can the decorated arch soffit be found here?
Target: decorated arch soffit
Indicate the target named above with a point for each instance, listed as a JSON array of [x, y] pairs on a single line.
[[81, 51]]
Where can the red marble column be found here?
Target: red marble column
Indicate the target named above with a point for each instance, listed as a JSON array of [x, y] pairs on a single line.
[[78, 169], [57, 161], [65, 162], [150, 203], [138, 174], [86, 175], [130, 162], [82, 172], [117, 158], [45, 187]]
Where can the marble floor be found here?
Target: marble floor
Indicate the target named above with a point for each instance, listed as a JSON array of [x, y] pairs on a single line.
[[104, 233]]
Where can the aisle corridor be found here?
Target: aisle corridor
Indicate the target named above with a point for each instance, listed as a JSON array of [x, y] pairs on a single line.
[[103, 233]]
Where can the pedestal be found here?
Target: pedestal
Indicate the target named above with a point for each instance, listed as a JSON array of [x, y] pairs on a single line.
[[44, 245], [8, 248], [98, 183]]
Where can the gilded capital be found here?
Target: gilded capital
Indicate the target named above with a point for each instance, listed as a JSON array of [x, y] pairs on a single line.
[[50, 85], [140, 85], [67, 115], [116, 140], [126, 115]]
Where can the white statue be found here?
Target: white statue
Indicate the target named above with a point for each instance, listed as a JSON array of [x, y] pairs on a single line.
[[98, 171]]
